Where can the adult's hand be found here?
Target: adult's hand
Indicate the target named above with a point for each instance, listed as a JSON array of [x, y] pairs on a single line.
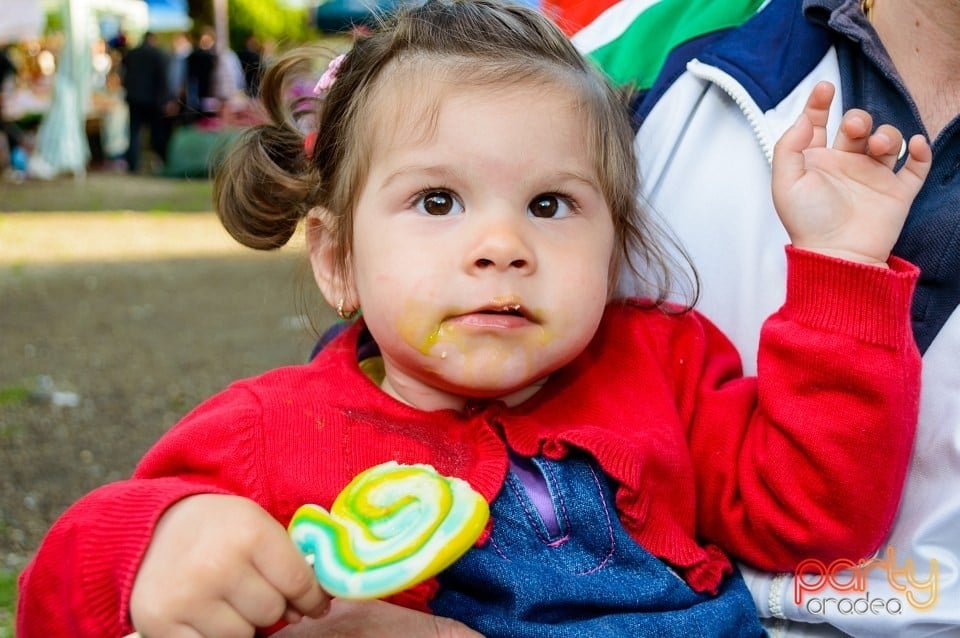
[[373, 619]]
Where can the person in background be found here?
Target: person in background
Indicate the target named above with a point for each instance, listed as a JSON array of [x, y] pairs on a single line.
[[147, 92], [177, 75], [231, 81], [251, 59], [200, 92], [9, 132], [705, 144], [114, 123], [119, 43]]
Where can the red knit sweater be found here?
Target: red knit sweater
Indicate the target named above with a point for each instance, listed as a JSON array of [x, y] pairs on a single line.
[[807, 462]]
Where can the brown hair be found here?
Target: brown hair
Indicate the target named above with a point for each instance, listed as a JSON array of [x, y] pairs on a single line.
[[267, 183]]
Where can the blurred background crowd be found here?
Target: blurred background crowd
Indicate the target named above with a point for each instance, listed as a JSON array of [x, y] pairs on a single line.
[[142, 86]]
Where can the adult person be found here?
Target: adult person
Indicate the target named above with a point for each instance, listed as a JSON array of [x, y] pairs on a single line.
[[148, 97], [177, 75], [201, 96], [705, 145], [9, 133], [251, 59]]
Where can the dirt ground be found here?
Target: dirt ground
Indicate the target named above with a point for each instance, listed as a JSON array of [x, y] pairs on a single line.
[[113, 325]]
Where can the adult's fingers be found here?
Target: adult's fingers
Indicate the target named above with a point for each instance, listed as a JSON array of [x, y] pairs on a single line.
[[376, 619], [449, 628], [176, 632]]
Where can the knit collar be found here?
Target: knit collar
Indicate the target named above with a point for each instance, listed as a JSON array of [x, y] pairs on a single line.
[[616, 402]]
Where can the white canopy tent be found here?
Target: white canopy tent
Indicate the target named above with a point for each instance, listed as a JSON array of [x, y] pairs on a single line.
[[20, 20], [61, 139]]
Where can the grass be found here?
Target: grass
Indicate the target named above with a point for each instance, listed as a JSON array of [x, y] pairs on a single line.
[[104, 202], [108, 191], [12, 395], [8, 601], [158, 197]]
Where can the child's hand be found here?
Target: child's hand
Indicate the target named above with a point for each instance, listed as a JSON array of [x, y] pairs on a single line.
[[845, 201], [221, 566]]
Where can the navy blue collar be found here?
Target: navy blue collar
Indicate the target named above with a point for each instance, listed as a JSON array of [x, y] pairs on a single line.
[[767, 70], [754, 55]]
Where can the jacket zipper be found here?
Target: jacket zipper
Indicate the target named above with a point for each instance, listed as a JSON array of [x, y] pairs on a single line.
[[740, 97]]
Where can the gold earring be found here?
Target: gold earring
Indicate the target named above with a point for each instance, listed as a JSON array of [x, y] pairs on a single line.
[[346, 315], [867, 7]]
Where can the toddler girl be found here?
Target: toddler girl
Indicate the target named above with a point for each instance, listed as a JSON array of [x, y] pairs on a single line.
[[468, 180]]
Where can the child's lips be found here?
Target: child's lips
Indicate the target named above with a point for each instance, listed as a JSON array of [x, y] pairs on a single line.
[[490, 320], [496, 315]]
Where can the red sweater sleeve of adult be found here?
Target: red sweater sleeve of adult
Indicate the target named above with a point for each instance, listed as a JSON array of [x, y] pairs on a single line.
[[818, 467]]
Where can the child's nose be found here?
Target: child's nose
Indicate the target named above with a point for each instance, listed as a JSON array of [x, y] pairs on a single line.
[[502, 245]]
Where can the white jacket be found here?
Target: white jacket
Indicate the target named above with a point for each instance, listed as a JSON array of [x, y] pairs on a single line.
[[705, 150]]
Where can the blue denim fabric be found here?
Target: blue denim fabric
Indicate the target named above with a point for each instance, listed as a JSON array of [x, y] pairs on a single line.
[[591, 579]]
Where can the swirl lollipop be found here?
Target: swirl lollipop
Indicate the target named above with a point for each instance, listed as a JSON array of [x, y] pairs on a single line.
[[391, 527]]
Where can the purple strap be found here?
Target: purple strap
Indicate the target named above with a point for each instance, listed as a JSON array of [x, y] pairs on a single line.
[[537, 490]]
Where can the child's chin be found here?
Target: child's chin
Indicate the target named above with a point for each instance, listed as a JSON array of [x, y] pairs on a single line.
[[511, 394]]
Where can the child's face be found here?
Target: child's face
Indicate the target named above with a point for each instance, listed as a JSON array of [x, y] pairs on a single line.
[[482, 245]]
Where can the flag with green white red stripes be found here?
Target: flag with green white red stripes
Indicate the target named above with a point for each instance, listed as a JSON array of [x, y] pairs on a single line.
[[630, 39]]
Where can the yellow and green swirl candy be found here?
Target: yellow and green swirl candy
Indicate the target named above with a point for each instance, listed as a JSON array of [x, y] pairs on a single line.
[[390, 528]]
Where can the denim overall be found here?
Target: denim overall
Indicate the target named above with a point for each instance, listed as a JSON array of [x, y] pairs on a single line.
[[590, 579]]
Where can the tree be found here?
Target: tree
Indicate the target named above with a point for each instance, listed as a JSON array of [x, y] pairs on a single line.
[[267, 19]]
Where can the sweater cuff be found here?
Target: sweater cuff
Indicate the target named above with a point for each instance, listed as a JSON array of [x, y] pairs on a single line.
[[865, 302], [120, 533]]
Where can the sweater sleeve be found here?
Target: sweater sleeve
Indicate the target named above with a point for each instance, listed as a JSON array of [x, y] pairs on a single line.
[[79, 581], [807, 460]]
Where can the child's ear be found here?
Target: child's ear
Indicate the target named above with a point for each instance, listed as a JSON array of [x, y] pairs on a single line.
[[334, 280]]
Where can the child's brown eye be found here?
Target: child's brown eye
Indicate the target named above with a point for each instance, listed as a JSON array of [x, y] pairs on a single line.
[[439, 203], [549, 206]]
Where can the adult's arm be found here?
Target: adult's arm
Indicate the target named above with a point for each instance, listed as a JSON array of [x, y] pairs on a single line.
[[376, 619]]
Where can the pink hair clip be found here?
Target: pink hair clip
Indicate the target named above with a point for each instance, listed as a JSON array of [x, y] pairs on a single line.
[[310, 143], [329, 76]]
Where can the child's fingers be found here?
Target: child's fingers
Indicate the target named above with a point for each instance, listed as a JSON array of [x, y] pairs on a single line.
[[917, 166], [817, 109], [886, 144], [256, 599], [285, 568], [788, 161], [221, 619], [854, 132]]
